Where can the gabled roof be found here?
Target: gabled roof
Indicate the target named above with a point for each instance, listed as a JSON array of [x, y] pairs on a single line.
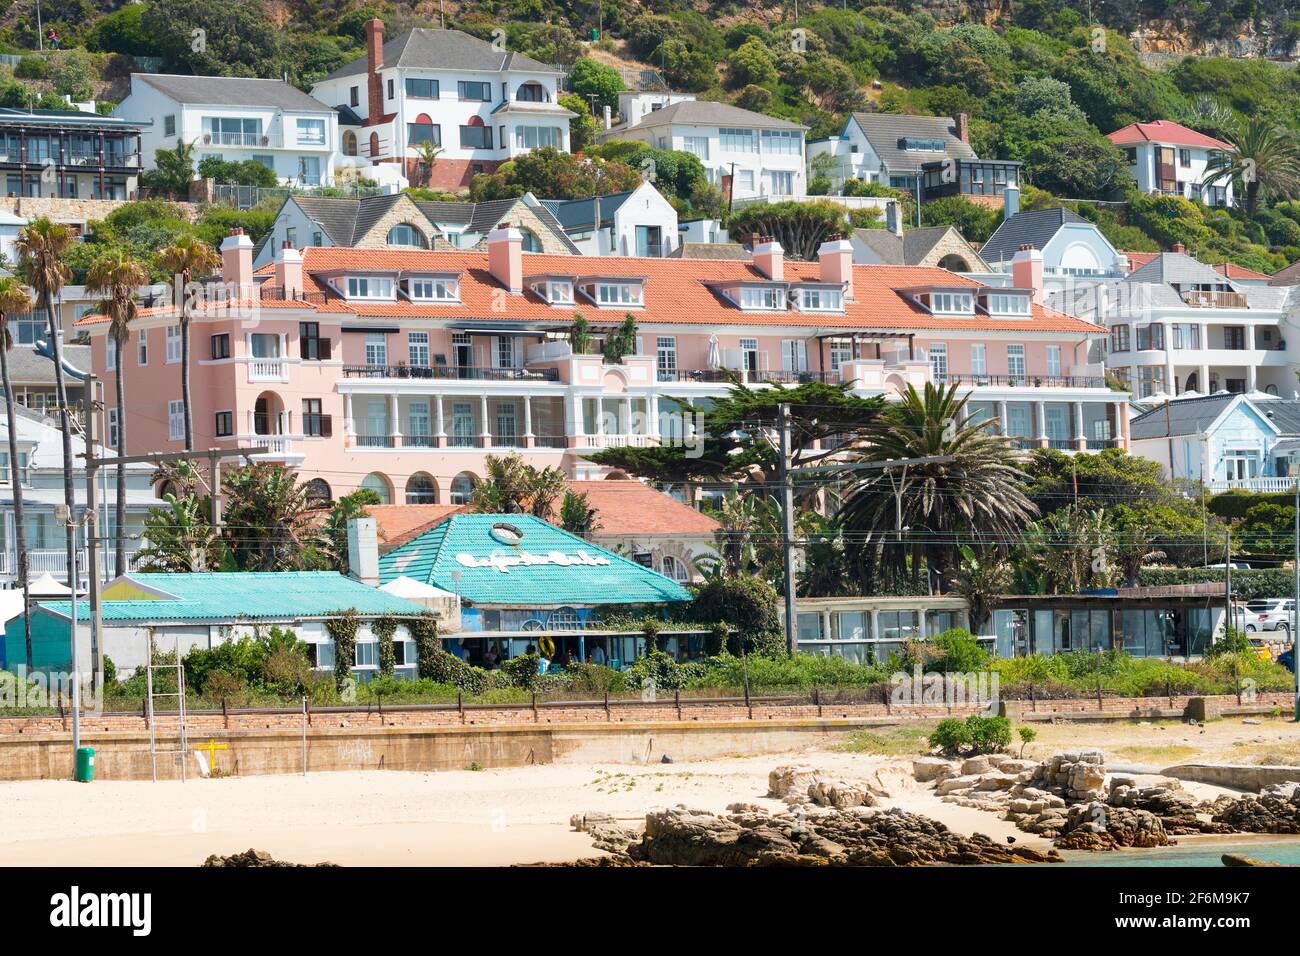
[[547, 567], [445, 50], [710, 250], [577, 215], [884, 131], [397, 524], [1136, 260], [1165, 132], [26, 367], [1033, 227], [1177, 268], [913, 246], [633, 508], [1231, 270], [1284, 413], [217, 596], [231, 91], [706, 113], [1186, 416]]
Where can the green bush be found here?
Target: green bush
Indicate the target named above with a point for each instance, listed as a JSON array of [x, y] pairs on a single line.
[[1232, 642], [750, 605], [1247, 584], [951, 736], [981, 735], [666, 672], [800, 671]]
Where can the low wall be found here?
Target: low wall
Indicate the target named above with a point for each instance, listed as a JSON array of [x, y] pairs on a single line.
[[125, 756], [1238, 777]]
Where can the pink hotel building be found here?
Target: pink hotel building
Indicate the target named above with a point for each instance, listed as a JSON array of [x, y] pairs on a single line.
[[400, 370]]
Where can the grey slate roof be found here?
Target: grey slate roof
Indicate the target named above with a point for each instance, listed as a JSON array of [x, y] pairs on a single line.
[[1178, 268], [348, 116], [28, 368], [1034, 227], [577, 215], [703, 113], [1282, 412], [710, 250], [445, 50], [1187, 416], [913, 247], [231, 91], [884, 130]]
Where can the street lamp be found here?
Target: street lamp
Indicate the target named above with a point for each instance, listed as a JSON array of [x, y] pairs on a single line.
[[63, 514]]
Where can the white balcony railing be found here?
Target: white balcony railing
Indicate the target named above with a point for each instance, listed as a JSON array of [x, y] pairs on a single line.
[[1254, 484], [268, 370]]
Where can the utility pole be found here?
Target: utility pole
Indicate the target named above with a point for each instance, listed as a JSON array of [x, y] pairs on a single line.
[[787, 523], [92, 536], [1295, 610], [1227, 581]]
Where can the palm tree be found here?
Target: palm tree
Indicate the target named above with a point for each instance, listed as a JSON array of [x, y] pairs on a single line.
[[980, 578], [268, 519], [186, 258], [14, 299], [427, 158], [174, 169], [926, 510], [1072, 546], [514, 487], [1262, 156], [116, 274], [577, 516], [180, 538]]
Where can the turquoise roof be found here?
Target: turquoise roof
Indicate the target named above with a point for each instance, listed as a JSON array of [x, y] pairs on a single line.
[[275, 596], [547, 567]]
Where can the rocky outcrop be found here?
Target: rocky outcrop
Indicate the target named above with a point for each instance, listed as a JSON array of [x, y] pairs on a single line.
[[798, 786], [1275, 810], [858, 837], [253, 858], [1099, 826]]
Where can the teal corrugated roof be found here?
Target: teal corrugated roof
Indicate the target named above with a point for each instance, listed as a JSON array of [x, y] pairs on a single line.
[[263, 595], [548, 567]]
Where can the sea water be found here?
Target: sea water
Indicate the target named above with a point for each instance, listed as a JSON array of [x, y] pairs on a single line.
[[1270, 849]]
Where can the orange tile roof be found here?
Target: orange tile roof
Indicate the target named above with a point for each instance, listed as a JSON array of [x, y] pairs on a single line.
[[676, 292], [629, 507], [1233, 271], [1136, 260], [1164, 131], [397, 524]]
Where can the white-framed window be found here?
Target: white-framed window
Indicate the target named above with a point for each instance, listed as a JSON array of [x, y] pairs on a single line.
[[507, 423], [110, 353], [697, 146], [173, 344], [142, 347], [112, 428], [531, 137], [951, 303], [822, 300], [737, 140], [1016, 361], [462, 432], [175, 420], [417, 344], [666, 357], [505, 352], [939, 361], [436, 290], [783, 141], [264, 345], [404, 234], [979, 364], [674, 568], [745, 180], [618, 294], [839, 354], [376, 348], [559, 293], [794, 355], [762, 297], [4, 466], [370, 287], [1003, 304], [418, 419], [780, 182], [311, 132], [1053, 361]]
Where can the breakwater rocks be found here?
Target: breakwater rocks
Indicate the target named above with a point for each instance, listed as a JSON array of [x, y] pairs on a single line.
[[1275, 810], [1070, 799], [861, 836], [253, 858]]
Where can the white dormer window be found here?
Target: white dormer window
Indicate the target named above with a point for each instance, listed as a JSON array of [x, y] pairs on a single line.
[[1003, 304], [762, 297], [434, 290], [370, 287], [559, 293], [610, 293], [952, 303], [822, 300]]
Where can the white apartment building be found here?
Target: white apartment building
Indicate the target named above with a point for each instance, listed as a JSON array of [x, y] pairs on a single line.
[[747, 154], [480, 104], [1178, 326], [236, 119], [1169, 159]]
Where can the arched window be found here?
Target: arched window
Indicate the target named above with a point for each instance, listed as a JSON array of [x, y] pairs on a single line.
[[531, 242], [421, 489], [380, 486], [462, 486], [954, 263], [673, 568], [531, 93], [318, 492], [349, 143], [404, 234], [374, 145]]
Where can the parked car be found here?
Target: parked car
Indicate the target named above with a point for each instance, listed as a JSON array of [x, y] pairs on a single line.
[[1270, 614], [1236, 566], [1287, 660]]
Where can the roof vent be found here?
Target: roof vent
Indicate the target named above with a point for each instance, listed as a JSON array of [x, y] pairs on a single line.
[[506, 533]]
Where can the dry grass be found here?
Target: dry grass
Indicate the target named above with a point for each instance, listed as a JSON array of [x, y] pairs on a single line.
[[890, 741]]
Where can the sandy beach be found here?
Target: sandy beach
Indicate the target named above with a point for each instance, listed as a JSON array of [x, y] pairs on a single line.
[[516, 815]]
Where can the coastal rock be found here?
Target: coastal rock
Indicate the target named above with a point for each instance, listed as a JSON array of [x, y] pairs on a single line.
[[973, 766], [685, 837], [953, 784], [927, 769], [1097, 826], [790, 783], [1275, 810], [582, 822], [840, 795], [253, 858]]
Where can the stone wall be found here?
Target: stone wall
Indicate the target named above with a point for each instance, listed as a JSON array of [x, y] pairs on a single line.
[[74, 210]]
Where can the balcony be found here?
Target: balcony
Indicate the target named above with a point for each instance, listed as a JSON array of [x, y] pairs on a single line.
[[268, 370], [760, 376], [54, 561], [248, 140], [452, 373], [1215, 300], [1254, 484], [1027, 381]]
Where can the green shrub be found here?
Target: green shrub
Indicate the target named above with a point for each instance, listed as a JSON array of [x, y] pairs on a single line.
[[982, 735], [32, 68], [521, 671], [784, 671], [666, 672], [440, 667], [1232, 642], [951, 736]]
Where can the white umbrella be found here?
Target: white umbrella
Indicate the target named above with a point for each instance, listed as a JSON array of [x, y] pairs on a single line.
[[48, 586], [715, 359], [413, 590]]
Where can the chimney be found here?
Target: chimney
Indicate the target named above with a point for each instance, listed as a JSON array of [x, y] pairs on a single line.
[[1010, 202], [835, 257], [237, 263], [962, 123], [1123, 264], [1027, 271], [363, 551], [505, 247], [374, 62], [894, 217], [288, 271], [769, 259], [609, 121], [1179, 247]]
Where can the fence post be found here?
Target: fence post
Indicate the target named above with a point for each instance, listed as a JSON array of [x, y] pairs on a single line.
[[536, 719], [1099, 705], [460, 704], [1033, 701], [678, 697], [748, 706], [884, 697], [817, 699], [305, 719], [1236, 682], [608, 716], [225, 715]]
